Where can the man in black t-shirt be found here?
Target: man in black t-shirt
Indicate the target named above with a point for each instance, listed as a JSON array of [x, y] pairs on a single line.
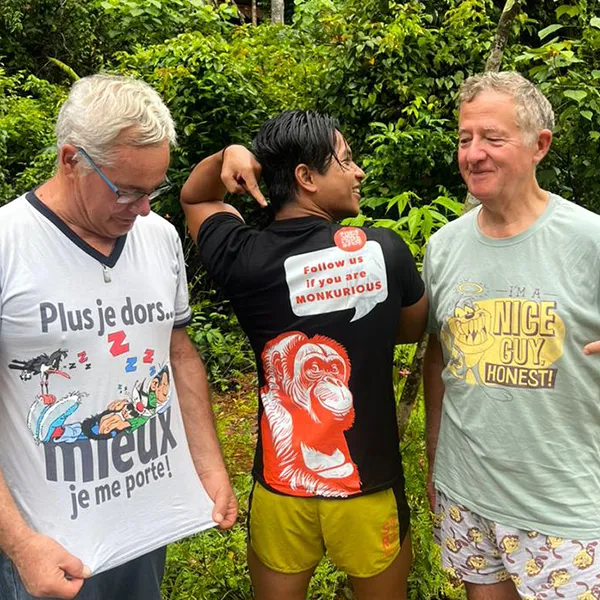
[[323, 306]]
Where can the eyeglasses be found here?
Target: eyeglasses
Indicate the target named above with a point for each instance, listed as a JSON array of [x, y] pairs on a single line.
[[126, 197]]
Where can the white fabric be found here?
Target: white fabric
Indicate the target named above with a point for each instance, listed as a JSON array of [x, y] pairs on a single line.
[[99, 337]]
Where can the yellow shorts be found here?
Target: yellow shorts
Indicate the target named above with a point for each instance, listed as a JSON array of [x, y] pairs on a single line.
[[362, 535]]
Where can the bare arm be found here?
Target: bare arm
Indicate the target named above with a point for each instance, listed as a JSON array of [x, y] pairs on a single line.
[[433, 388], [233, 170], [198, 419], [41, 562], [413, 320]]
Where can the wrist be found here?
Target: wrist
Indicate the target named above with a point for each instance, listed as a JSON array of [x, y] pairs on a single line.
[[15, 540]]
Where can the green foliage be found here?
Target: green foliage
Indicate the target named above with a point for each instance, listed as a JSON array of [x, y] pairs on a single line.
[[390, 71], [222, 345], [28, 109], [154, 21], [427, 579], [567, 69]]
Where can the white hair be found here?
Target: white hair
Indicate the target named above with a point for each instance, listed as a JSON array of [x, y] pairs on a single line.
[[103, 112], [534, 111]]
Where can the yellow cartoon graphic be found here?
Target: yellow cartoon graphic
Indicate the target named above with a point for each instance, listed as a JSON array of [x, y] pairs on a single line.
[[477, 562], [556, 580], [455, 514], [535, 565], [509, 545], [585, 557], [475, 536], [501, 343], [467, 337]]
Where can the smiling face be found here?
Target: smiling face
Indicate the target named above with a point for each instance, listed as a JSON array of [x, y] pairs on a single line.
[[338, 189], [136, 169], [494, 160]]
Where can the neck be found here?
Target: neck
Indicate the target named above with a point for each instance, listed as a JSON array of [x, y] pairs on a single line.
[[299, 208], [59, 198], [506, 217]]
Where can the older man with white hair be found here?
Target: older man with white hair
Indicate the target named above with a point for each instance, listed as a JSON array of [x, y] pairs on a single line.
[[100, 382], [512, 386]]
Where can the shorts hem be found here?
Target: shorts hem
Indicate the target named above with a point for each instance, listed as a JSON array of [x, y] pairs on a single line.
[[272, 567], [371, 573], [468, 578]]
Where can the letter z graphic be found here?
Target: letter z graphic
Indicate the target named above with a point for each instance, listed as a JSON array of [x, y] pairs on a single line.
[[117, 339]]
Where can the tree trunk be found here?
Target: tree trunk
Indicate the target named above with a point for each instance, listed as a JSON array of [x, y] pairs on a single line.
[[254, 14], [277, 12], [411, 386]]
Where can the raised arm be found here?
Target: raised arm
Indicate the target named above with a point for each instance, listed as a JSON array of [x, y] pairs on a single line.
[[233, 170]]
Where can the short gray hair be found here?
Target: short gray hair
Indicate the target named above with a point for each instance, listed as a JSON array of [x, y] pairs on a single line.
[[534, 111], [105, 111]]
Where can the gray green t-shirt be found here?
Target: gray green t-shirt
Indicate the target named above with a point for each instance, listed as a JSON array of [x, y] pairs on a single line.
[[519, 441]]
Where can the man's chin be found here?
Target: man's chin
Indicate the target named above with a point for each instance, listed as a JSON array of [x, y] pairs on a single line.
[[122, 226]]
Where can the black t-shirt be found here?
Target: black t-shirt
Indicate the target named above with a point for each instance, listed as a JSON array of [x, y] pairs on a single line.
[[320, 304]]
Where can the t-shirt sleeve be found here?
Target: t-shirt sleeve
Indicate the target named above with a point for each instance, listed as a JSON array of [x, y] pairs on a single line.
[[223, 242], [183, 313], [409, 279]]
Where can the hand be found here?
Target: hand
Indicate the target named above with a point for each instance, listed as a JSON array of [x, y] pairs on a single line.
[[431, 494], [217, 486], [240, 173], [117, 405], [44, 566], [592, 348], [112, 422]]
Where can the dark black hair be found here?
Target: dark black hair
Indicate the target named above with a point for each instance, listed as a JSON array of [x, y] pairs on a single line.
[[292, 138]]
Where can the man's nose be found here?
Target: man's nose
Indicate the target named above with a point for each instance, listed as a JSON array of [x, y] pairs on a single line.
[[358, 172], [475, 152], [141, 207]]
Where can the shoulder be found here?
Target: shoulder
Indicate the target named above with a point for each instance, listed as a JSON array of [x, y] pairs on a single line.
[[15, 209], [574, 218], [155, 226], [455, 227], [16, 215]]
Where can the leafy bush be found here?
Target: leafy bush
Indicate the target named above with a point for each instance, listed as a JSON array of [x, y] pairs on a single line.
[[28, 109], [223, 347]]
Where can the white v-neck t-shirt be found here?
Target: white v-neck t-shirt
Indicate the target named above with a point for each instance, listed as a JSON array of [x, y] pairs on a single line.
[[92, 443]]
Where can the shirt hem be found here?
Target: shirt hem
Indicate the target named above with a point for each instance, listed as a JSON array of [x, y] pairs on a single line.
[[372, 490], [123, 559], [523, 524]]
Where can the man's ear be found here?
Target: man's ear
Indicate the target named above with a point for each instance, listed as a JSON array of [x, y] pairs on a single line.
[[68, 159], [542, 145], [305, 178]]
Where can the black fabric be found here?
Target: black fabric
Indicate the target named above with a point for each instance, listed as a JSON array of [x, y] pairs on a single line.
[[249, 266]]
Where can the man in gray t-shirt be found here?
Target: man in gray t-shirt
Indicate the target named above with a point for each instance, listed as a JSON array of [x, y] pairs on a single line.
[[511, 387]]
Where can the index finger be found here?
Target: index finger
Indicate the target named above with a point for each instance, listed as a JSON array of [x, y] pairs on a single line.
[[254, 191], [592, 348]]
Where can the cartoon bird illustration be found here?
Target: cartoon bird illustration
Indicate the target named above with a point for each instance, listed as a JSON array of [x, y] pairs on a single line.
[[44, 366]]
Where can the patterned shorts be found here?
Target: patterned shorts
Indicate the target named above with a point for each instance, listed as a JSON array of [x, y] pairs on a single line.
[[542, 567]]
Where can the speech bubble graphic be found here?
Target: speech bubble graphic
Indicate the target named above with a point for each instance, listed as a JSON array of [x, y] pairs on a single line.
[[333, 279]]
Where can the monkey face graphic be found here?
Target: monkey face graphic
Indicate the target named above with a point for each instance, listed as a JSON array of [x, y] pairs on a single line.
[[307, 407]]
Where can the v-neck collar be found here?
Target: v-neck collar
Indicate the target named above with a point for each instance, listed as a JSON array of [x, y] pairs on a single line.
[[109, 261]]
